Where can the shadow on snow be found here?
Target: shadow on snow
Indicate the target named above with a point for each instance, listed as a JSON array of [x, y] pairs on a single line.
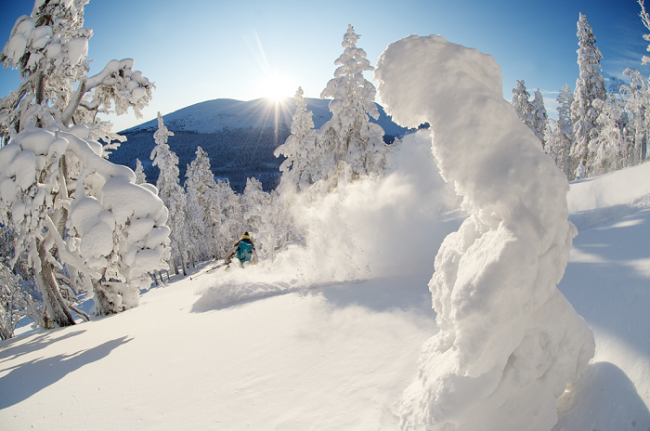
[[31, 377]]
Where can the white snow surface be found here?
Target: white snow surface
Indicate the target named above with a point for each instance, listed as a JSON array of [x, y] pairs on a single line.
[[509, 341]]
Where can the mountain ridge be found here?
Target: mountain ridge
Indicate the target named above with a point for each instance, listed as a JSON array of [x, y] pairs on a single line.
[[214, 115]]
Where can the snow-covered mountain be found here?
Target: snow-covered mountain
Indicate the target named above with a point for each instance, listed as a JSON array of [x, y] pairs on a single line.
[[212, 116], [239, 137]]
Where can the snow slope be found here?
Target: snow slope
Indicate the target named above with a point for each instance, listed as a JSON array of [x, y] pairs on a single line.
[[304, 351]]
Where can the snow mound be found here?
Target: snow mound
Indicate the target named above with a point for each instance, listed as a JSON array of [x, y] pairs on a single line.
[[605, 198], [509, 341]]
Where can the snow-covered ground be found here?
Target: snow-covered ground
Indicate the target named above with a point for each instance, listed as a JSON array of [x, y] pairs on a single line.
[[328, 340]]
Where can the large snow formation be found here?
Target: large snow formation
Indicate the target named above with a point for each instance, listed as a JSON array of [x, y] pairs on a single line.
[[509, 341]]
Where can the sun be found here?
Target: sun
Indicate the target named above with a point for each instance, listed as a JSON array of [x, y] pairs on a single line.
[[277, 87]]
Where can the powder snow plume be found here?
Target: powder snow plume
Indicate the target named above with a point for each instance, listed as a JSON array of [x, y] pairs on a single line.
[[378, 227], [509, 341]]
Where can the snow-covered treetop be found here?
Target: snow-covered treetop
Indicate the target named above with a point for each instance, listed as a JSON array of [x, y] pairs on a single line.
[[589, 60], [349, 83], [50, 47], [301, 126], [521, 102], [163, 133]]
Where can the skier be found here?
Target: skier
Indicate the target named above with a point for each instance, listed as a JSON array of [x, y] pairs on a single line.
[[244, 249]]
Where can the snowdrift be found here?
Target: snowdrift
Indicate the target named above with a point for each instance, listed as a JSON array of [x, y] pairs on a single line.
[[598, 200]]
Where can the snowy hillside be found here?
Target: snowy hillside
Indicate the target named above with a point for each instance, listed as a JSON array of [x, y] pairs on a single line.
[[328, 338], [213, 116]]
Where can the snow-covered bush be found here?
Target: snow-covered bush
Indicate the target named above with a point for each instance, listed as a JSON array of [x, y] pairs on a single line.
[[509, 342]]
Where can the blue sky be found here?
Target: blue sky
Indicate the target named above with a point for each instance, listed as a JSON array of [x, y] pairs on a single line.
[[197, 50]]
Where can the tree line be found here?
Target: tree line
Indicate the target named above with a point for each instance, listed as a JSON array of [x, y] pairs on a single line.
[[598, 130]]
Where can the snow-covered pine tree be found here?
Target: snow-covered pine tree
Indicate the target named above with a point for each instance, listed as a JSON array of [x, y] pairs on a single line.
[[203, 212], [590, 86], [353, 146], [539, 116], [521, 102], [637, 103], [140, 177], [255, 202], [57, 189], [557, 145], [296, 149], [231, 226], [564, 125], [609, 147], [171, 194], [552, 136]]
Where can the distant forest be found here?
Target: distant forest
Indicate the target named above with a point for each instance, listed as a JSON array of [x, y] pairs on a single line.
[[235, 154]]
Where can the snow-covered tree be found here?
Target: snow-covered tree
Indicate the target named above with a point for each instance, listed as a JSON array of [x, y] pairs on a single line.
[[637, 103], [140, 177], [353, 146], [556, 145], [579, 172], [13, 302], [203, 211], [171, 194], [58, 192], [521, 101], [565, 127], [231, 226], [297, 150], [279, 226], [590, 86], [268, 219], [49, 47], [609, 147], [539, 116], [255, 202]]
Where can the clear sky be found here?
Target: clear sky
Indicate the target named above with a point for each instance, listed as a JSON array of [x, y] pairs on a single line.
[[197, 50]]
